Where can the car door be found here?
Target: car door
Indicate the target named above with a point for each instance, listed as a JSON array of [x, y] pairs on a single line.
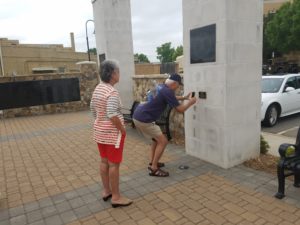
[[298, 92], [289, 100]]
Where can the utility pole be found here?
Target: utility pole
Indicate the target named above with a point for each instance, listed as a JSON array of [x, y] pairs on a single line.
[[87, 39], [1, 62]]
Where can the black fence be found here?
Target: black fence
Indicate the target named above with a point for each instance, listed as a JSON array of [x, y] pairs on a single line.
[[168, 68]]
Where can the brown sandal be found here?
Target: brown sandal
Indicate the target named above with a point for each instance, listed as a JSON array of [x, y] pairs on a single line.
[[158, 172]]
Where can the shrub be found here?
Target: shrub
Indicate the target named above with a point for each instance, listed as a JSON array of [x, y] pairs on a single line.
[[264, 146]]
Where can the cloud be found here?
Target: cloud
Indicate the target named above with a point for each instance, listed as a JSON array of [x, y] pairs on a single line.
[[154, 23], [50, 22], [44, 22]]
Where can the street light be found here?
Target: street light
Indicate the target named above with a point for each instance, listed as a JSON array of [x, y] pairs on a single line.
[[87, 39]]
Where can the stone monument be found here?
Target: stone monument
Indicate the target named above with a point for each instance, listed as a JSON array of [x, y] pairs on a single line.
[[113, 31], [222, 63], [223, 59]]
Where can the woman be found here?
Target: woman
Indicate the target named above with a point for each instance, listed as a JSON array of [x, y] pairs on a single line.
[[109, 131]]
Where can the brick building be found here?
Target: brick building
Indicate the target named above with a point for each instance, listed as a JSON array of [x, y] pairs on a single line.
[[21, 59]]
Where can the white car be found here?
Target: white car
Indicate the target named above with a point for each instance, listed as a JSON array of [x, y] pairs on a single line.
[[280, 97]]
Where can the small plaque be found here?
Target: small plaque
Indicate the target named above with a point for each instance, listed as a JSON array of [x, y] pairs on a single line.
[[202, 94]]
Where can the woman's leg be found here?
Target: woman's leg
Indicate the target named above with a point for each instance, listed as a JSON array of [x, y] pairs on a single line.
[[114, 180], [117, 200], [104, 172]]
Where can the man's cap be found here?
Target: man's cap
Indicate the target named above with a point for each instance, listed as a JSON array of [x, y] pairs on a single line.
[[175, 77]]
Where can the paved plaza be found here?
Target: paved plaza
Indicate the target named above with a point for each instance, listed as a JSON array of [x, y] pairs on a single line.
[[50, 175]]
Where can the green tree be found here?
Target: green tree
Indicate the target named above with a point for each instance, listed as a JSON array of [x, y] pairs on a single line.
[[165, 53], [283, 31], [141, 58], [93, 51], [267, 49], [178, 52]]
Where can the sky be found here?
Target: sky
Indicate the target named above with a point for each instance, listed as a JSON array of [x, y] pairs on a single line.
[[154, 23]]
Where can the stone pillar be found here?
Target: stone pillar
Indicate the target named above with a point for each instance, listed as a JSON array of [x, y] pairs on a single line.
[[87, 67], [114, 41], [224, 128]]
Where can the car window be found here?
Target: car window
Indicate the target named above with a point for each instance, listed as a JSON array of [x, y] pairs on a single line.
[[291, 82], [298, 82], [271, 85]]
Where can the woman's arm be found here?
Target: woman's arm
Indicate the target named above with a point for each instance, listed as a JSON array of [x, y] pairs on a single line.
[[113, 113], [92, 108], [116, 121]]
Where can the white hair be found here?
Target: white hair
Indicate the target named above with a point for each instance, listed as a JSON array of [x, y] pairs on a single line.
[[169, 81], [107, 68]]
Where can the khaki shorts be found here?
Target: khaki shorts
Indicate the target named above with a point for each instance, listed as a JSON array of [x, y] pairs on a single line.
[[149, 130]]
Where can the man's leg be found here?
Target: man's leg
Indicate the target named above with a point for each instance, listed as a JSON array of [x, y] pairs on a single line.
[[152, 150], [161, 143], [158, 144]]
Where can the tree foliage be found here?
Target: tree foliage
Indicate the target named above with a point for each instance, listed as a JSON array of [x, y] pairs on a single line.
[[165, 53], [141, 58], [283, 30], [178, 52], [93, 51], [267, 49]]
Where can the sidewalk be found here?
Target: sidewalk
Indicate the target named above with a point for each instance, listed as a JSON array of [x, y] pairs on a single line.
[[275, 140], [50, 175]]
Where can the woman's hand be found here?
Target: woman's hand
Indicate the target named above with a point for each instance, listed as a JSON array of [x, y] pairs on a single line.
[[123, 130], [117, 122]]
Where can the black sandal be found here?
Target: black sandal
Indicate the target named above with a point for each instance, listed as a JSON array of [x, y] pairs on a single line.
[[106, 198], [158, 172], [159, 164]]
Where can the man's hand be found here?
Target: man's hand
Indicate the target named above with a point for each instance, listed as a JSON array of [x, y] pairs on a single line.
[[186, 97], [184, 106], [192, 100]]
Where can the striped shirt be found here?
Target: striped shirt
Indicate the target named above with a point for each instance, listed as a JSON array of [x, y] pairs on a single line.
[[105, 104]]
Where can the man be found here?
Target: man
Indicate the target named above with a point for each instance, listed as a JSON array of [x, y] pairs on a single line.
[[145, 115], [153, 91]]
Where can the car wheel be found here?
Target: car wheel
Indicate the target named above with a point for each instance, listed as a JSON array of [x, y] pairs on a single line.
[[271, 116]]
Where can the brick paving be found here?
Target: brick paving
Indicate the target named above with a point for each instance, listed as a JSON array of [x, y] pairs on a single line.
[[50, 175]]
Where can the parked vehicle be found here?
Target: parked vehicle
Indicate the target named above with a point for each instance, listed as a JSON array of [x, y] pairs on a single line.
[[281, 66], [280, 97]]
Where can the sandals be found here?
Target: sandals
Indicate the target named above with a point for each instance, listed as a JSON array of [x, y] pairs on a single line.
[[124, 202], [107, 197], [159, 164], [158, 172]]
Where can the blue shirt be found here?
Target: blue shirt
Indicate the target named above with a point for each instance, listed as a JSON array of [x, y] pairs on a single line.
[[152, 94], [150, 111]]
